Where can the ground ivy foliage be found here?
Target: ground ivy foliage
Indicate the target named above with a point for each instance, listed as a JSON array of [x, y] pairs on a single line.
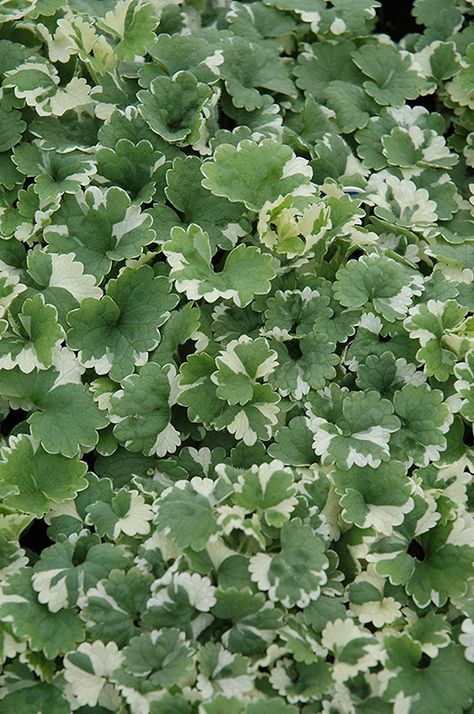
[[236, 357]]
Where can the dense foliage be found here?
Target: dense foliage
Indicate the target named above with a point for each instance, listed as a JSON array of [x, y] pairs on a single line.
[[236, 358]]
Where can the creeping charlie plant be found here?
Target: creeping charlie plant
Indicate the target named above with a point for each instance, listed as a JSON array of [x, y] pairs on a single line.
[[236, 357]]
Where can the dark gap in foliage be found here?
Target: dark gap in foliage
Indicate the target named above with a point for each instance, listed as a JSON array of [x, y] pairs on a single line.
[[428, 102], [160, 258], [188, 151], [468, 436], [89, 459], [356, 254], [27, 182], [35, 537], [424, 269], [185, 350], [416, 550], [294, 350], [225, 121], [13, 418], [424, 662], [395, 19], [89, 374], [218, 260]]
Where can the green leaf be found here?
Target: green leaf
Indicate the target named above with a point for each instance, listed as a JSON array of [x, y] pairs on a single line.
[[375, 498], [37, 83], [332, 157], [12, 127], [256, 173], [444, 572], [325, 609], [154, 660], [240, 366], [255, 420], [325, 63], [172, 106], [180, 327], [136, 31], [440, 15], [251, 619], [171, 704], [349, 17], [460, 87], [219, 218], [379, 283], [99, 227], [412, 147], [113, 609], [26, 389], [131, 166], [38, 477], [305, 363], [271, 706], [178, 599], [187, 516], [115, 333], [432, 324], [122, 512], [444, 61], [34, 338], [268, 490], [217, 665], [141, 411], [71, 132], [55, 174], [175, 53], [51, 633], [392, 80], [249, 66], [87, 670], [127, 123], [60, 580], [386, 374], [425, 419], [198, 392], [295, 575], [246, 272], [400, 137], [351, 428], [445, 684], [67, 420], [293, 443], [12, 54], [464, 384], [300, 7], [352, 105], [61, 281], [440, 190], [35, 698]]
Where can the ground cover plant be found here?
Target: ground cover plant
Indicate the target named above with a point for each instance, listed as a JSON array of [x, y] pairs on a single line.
[[236, 357]]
